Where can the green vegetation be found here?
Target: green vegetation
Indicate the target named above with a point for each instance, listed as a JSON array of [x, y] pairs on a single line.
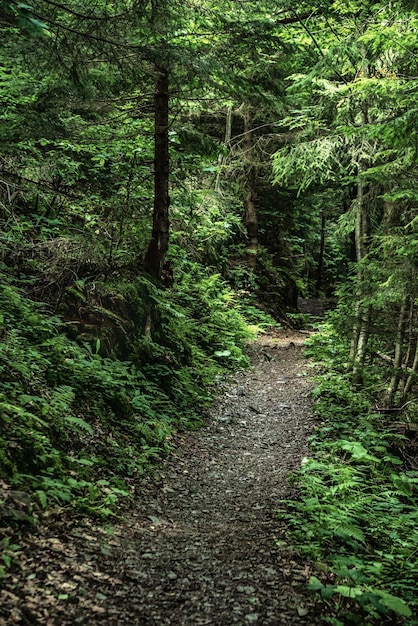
[[350, 134], [357, 515], [78, 425], [171, 175]]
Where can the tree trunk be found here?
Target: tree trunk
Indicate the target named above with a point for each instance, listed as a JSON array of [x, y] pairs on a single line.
[[413, 375], [320, 265], [361, 348], [411, 328], [158, 245], [250, 208], [251, 224], [222, 156], [397, 363], [355, 333], [361, 329]]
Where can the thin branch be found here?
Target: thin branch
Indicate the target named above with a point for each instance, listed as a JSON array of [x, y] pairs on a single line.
[[81, 15], [312, 36]]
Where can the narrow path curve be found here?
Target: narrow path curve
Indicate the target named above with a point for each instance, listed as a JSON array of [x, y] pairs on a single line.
[[204, 545], [209, 534]]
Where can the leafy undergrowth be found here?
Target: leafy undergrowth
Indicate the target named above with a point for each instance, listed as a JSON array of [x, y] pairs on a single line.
[[357, 515], [79, 422]]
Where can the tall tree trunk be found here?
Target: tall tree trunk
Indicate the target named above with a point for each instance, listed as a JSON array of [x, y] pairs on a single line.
[[362, 334], [158, 245], [355, 333], [250, 208], [222, 156], [361, 329], [399, 349], [251, 224], [411, 329], [413, 375], [320, 265]]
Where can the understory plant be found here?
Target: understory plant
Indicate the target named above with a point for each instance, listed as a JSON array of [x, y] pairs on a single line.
[[80, 421], [356, 518]]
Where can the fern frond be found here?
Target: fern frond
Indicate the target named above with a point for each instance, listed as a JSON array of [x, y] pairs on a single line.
[[349, 530], [78, 424]]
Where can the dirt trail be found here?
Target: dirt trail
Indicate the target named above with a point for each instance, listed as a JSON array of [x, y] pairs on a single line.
[[204, 544]]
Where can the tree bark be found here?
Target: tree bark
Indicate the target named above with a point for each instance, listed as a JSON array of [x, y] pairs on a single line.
[[361, 348], [361, 329], [158, 245], [222, 156], [320, 265], [411, 328], [413, 375], [397, 363], [250, 208], [355, 333]]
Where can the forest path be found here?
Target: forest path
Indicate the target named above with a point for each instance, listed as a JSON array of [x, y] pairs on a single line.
[[203, 544]]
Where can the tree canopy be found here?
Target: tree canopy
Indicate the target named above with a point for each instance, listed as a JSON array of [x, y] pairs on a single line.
[[174, 175]]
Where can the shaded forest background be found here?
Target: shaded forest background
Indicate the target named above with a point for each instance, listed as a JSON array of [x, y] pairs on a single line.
[[173, 177]]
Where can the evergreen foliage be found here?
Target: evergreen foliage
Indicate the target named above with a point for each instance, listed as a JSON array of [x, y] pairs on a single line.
[[147, 225]]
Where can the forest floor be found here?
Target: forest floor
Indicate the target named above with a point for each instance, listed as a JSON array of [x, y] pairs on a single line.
[[203, 543]]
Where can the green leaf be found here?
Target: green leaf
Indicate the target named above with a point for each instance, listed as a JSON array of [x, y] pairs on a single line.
[[349, 592], [79, 423], [86, 462], [403, 484], [6, 559], [327, 591], [393, 603], [38, 23], [42, 497], [358, 452], [315, 584]]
